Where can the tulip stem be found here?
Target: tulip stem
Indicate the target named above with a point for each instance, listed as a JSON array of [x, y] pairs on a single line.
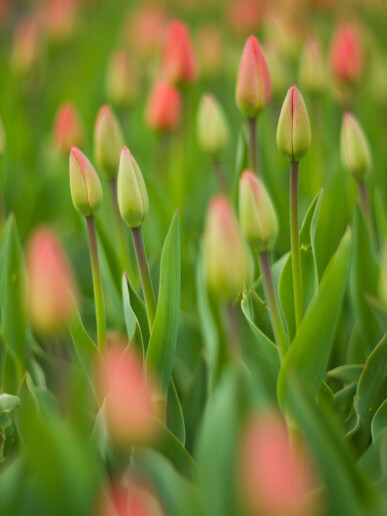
[[295, 245], [275, 315], [365, 204], [143, 268], [252, 144], [221, 176], [97, 283]]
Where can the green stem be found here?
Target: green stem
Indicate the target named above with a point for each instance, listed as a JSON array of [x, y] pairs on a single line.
[[365, 204], [97, 283], [275, 316], [221, 176], [295, 245], [252, 144], [143, 268]]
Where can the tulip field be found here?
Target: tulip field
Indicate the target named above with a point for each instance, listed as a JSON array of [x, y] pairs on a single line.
[[193, 258]]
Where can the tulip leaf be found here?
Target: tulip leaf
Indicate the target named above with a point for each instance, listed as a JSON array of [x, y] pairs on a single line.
[[379, 310], [363, 279], [162, 343], [134, 305], [379, 421], [175, 419], [346, 374], [310, 350], [13, 295], [133, 329], [371, 392]]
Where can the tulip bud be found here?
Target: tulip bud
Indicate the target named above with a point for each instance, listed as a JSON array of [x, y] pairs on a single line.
[[132, 194], [108, 140], [121, 86], [212, 126], [2, 139], [129, 500], [60, 19], [293, 130], [27, 44], [51, 283], [276, 478], [383, 276], [346, 55], [210, 46], [311, 71], [68, 128], [244, 16], [145, 29], [225, 254], [128, 404], [257, 216], [86, 189], [253, 89], [179, 63], [354, 148], [163, 107]]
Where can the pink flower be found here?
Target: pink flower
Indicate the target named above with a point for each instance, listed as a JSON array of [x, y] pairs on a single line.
[[163, 107], [179, 62], [68, 128], [346, 54]]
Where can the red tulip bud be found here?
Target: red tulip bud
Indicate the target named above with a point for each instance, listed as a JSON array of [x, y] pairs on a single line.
[[129, 500], [179, 62], [346, 54], [244, 16], [276, 477], [68, 128], [60, 19], [253, 89], [145, 29], [163, 107], [128, 404], [51, 282]]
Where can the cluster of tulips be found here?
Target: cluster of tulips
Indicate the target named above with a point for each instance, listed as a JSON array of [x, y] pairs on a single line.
[[236, 408]]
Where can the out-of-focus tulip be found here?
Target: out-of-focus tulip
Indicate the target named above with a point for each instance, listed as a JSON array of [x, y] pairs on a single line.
[[129, 500], [253, 91], [3, 139], [27, 44], [68, 128], [5, 11], [108, 141], [212, 128], [354, 148], [179, 62], [276, 478], [280, 29], [128, 404], [121, 81], [277, 69], [225, 255], [210, 49], [86, 189], [163, 107], [257, 215], [383, 276], [132, 194], [346, 55], [293, 130], [244, 16], [60, 19], [145, 29], [51, 283], [311, 70]]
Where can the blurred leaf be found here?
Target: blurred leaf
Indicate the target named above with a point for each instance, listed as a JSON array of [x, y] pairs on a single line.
[[344, 402], [137, 306], [363, 279], [259, 349], [13, 294], [194, 402], [379, 311], [379, 421], [110, 252], [370, 393], [309, 224], [133, 329], [162, 343], [175, 419], [8, 402], [309, 352], [346, 374], [374, 461]]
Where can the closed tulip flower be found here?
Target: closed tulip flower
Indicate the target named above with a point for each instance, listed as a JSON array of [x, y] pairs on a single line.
[[68, 128], [346, 55], [354, 148], [311, 70], [212, 128], [179, 62], [86, 189], [163, 107], [108, 140]]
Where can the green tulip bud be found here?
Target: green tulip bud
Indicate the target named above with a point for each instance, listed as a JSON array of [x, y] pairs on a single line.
[[109, 141], [132, 194], [354, 148], [225, 254], [311, 70], [86, 189], [257, 215], [2, 139], [212, 126], [293, 130]]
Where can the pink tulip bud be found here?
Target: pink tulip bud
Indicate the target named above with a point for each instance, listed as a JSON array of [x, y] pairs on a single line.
[[179, 62], [253, 89], [244, 16], [68, 128], [163, 107], [60, 19], [129, 500], [145, 29], [51, 282], [346, 54], [277, 479], [210, 48], [121, 81], [27, 44], [128, 404]]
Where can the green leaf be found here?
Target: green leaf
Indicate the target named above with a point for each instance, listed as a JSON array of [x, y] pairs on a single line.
[[370, 393], [133, 329], [13, 294], [379, 311], [364, 279], [137, 308], [175, 419], [309, 224], [346, 374], [8, 402], [379, 421], [310, 350], [162, 343], [259, 349]]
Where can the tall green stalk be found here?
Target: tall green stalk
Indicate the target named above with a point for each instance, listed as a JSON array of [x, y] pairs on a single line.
[[252, 144], [295, 245]]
